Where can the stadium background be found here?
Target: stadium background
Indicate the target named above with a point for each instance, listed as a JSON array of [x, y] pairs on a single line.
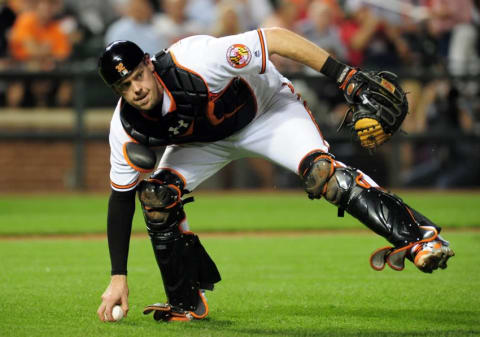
[[55, 111], [290, 266]]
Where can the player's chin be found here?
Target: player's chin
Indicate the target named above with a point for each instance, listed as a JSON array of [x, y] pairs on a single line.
[[142, 105]]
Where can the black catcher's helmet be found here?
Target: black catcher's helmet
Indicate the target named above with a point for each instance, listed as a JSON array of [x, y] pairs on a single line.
[[118, 60]]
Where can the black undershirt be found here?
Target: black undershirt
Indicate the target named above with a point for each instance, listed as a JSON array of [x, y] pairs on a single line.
[[121, 207]]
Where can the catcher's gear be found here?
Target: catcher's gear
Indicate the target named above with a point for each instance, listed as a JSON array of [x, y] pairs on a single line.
[[184, 264], [432, 255], [428, 254], [140, 157], [383, 212], [166, 312], [377, 105], [118, 60]]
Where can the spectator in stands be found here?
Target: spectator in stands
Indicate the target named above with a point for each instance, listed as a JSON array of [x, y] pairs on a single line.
[[451, 23], [173, 24], [319, 28], [94, 15], [38, 42], [137, 25], [227, 20], [202, 11], [7, 19], [371, 40]]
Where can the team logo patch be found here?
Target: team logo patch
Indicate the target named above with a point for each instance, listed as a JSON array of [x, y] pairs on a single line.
[[121, 69], [238, 55]]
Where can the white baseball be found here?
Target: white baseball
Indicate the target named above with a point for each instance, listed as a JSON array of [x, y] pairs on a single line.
[[117, 313]]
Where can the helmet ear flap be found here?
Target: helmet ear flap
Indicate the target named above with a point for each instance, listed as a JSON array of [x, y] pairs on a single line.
[[118, 60]]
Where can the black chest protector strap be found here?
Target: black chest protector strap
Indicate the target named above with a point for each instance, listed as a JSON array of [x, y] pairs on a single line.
[[199, 115]]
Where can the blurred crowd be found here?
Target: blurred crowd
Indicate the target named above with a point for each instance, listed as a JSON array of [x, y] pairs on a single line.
[[434, 44]]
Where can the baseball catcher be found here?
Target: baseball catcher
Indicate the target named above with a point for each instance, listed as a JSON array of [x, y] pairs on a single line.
[[207, 101]]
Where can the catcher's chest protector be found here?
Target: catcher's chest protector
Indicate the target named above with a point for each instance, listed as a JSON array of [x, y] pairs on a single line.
[[199, 116]]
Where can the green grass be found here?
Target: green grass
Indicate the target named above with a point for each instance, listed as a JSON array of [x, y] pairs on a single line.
[[312, 285], [65, 214], [308, 285]]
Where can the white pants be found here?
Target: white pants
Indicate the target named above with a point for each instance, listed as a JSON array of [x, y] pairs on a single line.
[[285, 133]]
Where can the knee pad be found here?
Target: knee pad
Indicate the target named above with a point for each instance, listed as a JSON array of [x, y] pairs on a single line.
[[315, 170], [160, 197], [322, 176]]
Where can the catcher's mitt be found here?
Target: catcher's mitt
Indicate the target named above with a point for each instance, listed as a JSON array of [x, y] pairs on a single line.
[[378, 106]]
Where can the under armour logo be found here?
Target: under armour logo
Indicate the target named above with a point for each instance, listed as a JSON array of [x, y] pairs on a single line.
[[181, 124]]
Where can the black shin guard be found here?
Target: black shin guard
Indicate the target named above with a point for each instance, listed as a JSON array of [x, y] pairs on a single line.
[[387, 215], [382, 212], [184, 264], [185, 267]]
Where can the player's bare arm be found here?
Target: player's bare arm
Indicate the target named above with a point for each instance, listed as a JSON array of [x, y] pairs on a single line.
[[288, 44]]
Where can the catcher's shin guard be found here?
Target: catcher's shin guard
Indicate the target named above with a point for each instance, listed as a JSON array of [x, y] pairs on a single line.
[[184, 264], [383, 212]]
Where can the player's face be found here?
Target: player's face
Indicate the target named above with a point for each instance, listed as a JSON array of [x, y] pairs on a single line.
[[141, 89]]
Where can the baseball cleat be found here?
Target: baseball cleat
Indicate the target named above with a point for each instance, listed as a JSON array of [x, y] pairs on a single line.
[[428, 254], [169, 313], [432, 255]]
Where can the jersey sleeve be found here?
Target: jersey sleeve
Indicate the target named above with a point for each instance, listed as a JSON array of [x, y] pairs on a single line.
[[239, 54], [218, 60], [123, 177]]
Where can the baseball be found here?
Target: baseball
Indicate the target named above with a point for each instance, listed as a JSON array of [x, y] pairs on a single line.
[[117, 313]]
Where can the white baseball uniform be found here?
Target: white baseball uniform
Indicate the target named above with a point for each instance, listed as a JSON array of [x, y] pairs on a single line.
[[283, 129]]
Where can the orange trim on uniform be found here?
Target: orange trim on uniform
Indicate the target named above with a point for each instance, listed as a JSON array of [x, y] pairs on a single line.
[[214, 97], [136, 168], [292, 89], [316, 125], [174, 172], [264, 56], [173, 105], [210, 114], [210, 105], [124, 187], [305, 105]]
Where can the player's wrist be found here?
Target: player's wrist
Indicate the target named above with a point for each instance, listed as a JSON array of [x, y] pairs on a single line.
[[336, 70]]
